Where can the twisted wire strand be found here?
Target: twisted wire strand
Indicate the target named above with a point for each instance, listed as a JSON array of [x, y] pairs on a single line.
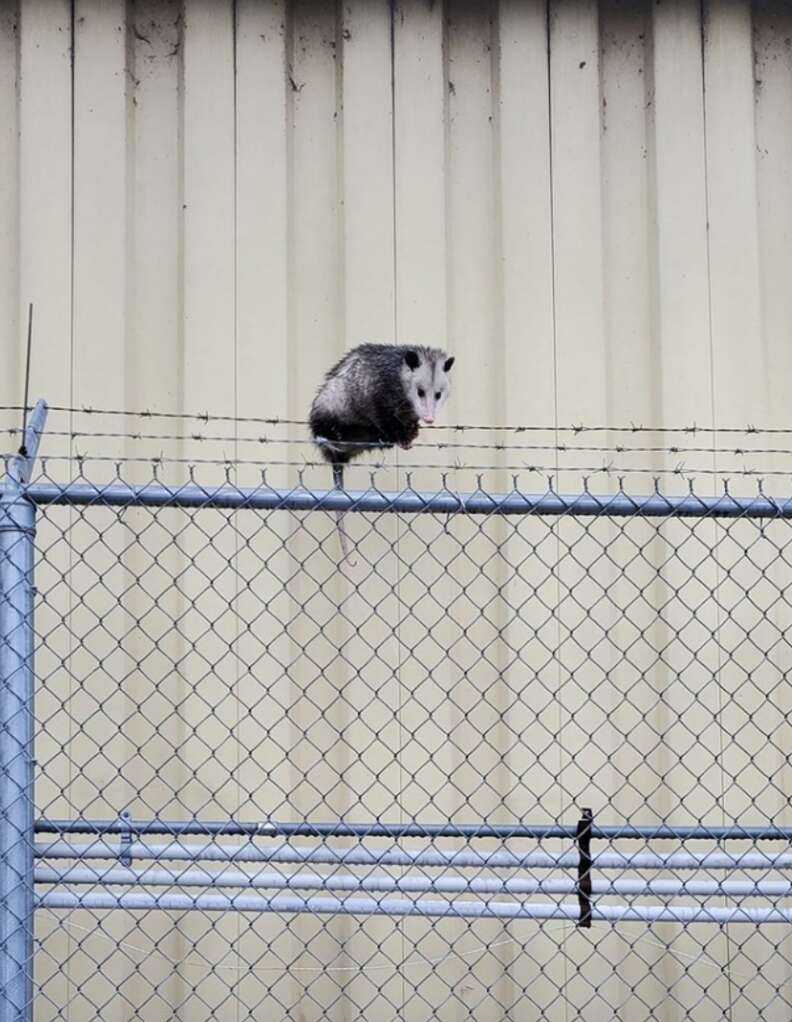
[[548, 471], [426, 445], [577, 428]]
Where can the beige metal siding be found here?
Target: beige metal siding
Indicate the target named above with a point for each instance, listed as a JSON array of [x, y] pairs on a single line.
[[591, 208], [251, 187]]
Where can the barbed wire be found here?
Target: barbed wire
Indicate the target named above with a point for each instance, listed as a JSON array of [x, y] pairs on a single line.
[[547, 470], [206, 417], [438, 445]]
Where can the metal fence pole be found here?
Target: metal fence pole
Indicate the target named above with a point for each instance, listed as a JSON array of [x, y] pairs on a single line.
[[17, 849], [17, 527]]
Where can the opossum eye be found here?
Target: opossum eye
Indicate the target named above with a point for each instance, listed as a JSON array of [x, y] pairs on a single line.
[[421, 392], [437, 395]]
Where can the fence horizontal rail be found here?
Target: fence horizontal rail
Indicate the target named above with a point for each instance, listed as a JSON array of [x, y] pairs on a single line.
[[433, 858], [539, 831], [409, 501], [403, 907], [157, 877]]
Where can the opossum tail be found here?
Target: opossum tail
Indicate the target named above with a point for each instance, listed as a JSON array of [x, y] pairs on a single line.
[[338, 482]]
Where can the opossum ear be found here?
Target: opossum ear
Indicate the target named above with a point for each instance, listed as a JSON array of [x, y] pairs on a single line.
[[411, 358], [448, 363]]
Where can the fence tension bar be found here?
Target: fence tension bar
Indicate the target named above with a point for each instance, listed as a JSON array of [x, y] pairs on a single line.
[[583, 840]]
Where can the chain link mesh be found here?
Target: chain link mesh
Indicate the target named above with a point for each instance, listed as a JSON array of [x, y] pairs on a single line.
[[201, 665]]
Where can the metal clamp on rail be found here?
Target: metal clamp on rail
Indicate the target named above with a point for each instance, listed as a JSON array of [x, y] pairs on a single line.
[[127, 836], [583, 838]]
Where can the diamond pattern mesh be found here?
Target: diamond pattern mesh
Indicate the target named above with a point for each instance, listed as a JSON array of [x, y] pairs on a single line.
[[200, 665]]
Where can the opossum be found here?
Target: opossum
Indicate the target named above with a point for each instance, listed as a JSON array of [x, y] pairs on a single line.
[[375, 397]]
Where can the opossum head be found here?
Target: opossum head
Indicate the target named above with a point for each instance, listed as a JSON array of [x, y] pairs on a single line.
[[426, 381]]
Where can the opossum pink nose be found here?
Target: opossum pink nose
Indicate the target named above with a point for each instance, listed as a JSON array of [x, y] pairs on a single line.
[[428, 419]]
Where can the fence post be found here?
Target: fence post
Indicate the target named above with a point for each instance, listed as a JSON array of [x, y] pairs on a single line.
[[17, 527], [17, 532]]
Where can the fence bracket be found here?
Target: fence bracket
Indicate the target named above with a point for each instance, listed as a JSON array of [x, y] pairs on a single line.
[[20, 467], [583, 838], [127, 836]]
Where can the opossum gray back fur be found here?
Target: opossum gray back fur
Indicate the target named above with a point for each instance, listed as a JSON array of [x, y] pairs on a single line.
[[375, 396]]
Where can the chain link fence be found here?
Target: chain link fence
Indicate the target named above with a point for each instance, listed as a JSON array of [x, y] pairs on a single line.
[[268, 785]]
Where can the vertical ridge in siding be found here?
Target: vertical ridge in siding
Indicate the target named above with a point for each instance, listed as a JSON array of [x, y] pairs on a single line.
[[12, 313], [100, 195], [209, 283], [739, 384], [45, 194], [583, 356], [155, 207], [772, 30], [624, 106], [682, 326], [419, 100]]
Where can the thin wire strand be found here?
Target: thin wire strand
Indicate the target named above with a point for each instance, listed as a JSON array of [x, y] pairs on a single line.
[[26, 406], [702, 958], [427, 445], [548, 471], [360, 969], [206, 417]]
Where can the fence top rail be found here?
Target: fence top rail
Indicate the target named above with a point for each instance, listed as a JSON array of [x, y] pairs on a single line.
[[409, 501], [372, 829]]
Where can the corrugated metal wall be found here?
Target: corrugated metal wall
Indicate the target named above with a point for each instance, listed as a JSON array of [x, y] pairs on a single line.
[[589, 204], [593, 209]]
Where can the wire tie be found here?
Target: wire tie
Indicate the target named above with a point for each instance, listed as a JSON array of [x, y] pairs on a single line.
[[583, 838]]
